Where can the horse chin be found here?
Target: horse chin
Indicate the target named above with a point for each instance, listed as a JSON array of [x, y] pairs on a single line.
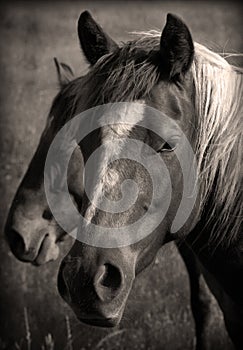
[[100, 315]]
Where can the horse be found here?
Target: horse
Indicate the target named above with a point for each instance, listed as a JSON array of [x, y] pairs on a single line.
[[199, 91]]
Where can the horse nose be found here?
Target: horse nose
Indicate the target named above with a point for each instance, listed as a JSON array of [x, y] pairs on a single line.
[[108, 282], [18, 247]]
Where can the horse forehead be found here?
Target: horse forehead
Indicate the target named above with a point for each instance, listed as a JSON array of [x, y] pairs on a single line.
[[119, 130], [124, 116], [108, 173]]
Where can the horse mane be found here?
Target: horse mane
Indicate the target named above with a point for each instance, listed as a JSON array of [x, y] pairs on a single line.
[[131, 72], [219, 107]]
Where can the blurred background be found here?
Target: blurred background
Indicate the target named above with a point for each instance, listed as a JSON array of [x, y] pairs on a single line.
[[33, 315]]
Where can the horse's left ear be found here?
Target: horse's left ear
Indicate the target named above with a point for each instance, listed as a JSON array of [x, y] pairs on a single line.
[[64, 72], [176, 47], [94, 42]]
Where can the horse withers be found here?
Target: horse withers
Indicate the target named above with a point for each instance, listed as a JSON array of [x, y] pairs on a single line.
[[201, 93]]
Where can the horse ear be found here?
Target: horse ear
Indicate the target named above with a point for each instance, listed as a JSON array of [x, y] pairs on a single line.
[[176, 47], [94, 42], [64, 72]]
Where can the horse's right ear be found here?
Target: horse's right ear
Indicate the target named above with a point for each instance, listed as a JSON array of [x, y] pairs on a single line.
[[176, 47], [94, 42], [64, 72]]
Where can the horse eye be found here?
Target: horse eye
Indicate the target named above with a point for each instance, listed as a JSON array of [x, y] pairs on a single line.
[[167, 147]]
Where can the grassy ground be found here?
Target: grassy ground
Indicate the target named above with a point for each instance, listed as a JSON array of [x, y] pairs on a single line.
[[158, 315]]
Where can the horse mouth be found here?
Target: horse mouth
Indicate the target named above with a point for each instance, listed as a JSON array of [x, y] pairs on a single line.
[[101, 318], [37, 260], [101, 322]]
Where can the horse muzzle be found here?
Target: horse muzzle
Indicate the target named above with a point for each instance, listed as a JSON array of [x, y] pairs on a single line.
[[97, 293]]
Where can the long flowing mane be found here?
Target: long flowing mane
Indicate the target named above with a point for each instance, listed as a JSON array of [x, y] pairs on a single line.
[[219, 108], [132, 71]]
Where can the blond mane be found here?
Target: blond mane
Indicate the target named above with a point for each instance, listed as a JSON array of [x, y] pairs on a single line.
[[219, 107]]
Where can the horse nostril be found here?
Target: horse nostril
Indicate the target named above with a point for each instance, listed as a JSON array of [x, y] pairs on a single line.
[[15, 241], [111, 277], [47, 215], [108, 281]]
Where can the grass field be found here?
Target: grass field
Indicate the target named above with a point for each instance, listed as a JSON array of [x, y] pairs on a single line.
[[33, 316]]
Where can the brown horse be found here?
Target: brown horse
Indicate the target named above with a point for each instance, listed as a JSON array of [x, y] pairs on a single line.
[[201, 93]]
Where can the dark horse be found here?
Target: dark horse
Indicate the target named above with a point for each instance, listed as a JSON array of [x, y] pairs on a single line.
[[201, 92]]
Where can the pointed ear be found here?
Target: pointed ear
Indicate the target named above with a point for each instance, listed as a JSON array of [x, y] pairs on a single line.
[[64, 72], [176, 47], [94, 42]]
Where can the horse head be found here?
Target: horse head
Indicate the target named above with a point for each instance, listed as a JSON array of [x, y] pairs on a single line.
[[96, 276]]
